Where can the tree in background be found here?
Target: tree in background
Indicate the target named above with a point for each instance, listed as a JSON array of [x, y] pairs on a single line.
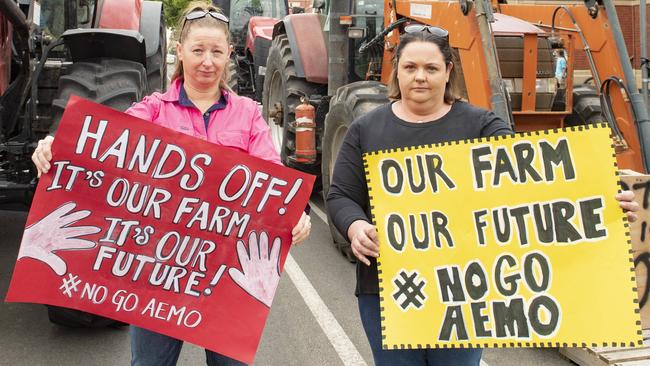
[[173, 10]]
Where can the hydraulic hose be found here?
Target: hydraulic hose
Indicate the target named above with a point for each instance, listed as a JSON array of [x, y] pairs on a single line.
[[34, 84], [607, 110]]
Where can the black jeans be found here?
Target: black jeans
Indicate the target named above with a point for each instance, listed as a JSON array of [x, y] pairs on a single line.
[[369, 311], [154, 349]]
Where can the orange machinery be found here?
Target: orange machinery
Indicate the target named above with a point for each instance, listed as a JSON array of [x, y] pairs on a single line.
[[578, 27]]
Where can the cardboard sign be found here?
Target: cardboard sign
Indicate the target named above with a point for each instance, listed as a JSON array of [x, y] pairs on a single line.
[[640, 233], [502, 242], [158, 229]]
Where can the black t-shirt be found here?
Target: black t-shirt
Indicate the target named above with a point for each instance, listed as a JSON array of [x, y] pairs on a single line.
[[381, 129]]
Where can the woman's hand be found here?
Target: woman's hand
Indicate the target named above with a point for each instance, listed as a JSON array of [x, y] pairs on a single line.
[[302, 229], [42, 155], [363, 240], [626, 201]]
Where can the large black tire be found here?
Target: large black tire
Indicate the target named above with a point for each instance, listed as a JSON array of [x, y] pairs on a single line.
[[116, 84], [233, 81], [349, 103], [282, 87], [156, 63], [112, 82], [586, 107]]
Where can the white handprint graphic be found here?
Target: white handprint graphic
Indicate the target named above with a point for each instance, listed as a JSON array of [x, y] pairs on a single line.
[[53, 233], [260, 272]]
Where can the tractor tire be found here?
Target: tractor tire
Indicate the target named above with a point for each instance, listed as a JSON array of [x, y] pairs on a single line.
[[111, 82], [281, 95], [586, 107], [233, 81], [157, 63], [116, 84], [349, 103]]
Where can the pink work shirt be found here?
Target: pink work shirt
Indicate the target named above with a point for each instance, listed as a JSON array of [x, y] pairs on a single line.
[[240, 125]]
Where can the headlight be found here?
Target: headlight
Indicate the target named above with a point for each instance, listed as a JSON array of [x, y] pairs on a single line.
[[356, 33]]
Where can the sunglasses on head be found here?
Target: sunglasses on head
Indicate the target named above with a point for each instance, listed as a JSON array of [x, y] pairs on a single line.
[[202, 14], [436, 31]]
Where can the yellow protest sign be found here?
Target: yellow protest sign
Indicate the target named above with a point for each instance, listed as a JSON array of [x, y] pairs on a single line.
[[505, 241]]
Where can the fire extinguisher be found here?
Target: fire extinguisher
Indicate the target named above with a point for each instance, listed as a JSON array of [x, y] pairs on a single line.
[[305, 132]]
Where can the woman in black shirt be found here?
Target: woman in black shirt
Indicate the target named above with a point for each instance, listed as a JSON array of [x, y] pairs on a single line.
[[424, 111]]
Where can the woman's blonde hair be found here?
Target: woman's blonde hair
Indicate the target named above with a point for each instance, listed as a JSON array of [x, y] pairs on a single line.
[[424, 36], [183, 29]]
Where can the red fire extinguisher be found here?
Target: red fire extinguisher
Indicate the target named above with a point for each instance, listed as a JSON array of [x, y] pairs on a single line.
[[305, 132]]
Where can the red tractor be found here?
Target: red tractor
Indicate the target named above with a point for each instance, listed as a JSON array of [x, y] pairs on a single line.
[[108, 51], [251, 27], [340, 61]]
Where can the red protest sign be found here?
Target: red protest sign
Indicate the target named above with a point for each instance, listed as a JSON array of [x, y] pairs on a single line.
[[158, 229]]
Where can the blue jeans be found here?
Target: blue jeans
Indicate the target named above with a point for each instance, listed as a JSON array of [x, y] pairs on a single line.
[[369, 310], [154, 349]]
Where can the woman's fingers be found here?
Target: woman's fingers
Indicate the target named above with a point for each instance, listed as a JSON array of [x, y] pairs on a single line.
[[41, 162], [365, 249], [362, 250], [47, 149], [631, 216], [626, 202], [300, 226], [364, 242], [355, 250], [43, 154], [302, 229], [632, 206], [42, 166], [625, 196]]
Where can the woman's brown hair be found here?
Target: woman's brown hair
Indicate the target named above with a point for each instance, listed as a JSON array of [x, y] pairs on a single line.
[[183, 28], [423, 36]]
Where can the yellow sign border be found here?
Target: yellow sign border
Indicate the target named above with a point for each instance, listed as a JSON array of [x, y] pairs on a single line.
[[503, 343]]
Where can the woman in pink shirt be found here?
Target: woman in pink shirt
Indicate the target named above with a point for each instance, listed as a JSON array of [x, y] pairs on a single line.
[[198, 103]]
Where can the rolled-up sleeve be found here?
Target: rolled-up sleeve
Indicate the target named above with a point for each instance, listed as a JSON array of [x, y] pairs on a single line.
[[146, 109], [347, 199]]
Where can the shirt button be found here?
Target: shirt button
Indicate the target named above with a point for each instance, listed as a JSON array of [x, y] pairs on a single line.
[[206, 114]]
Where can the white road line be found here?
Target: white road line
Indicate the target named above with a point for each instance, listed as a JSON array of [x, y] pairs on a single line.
[[323, 216], [346, 350], [318, 211]]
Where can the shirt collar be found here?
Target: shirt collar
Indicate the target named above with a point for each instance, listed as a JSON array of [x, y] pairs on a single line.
[[174, 90], [186, 102]]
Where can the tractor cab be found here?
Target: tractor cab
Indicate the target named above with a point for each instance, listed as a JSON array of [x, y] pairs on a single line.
[[251, 28], [53, 17]]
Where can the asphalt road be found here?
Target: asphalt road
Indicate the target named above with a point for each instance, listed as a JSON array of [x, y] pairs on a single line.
[[313, 321]]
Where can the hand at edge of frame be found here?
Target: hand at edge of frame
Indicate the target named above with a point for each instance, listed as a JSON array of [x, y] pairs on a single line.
[[42, 155], [630, 207], [363, 240]]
